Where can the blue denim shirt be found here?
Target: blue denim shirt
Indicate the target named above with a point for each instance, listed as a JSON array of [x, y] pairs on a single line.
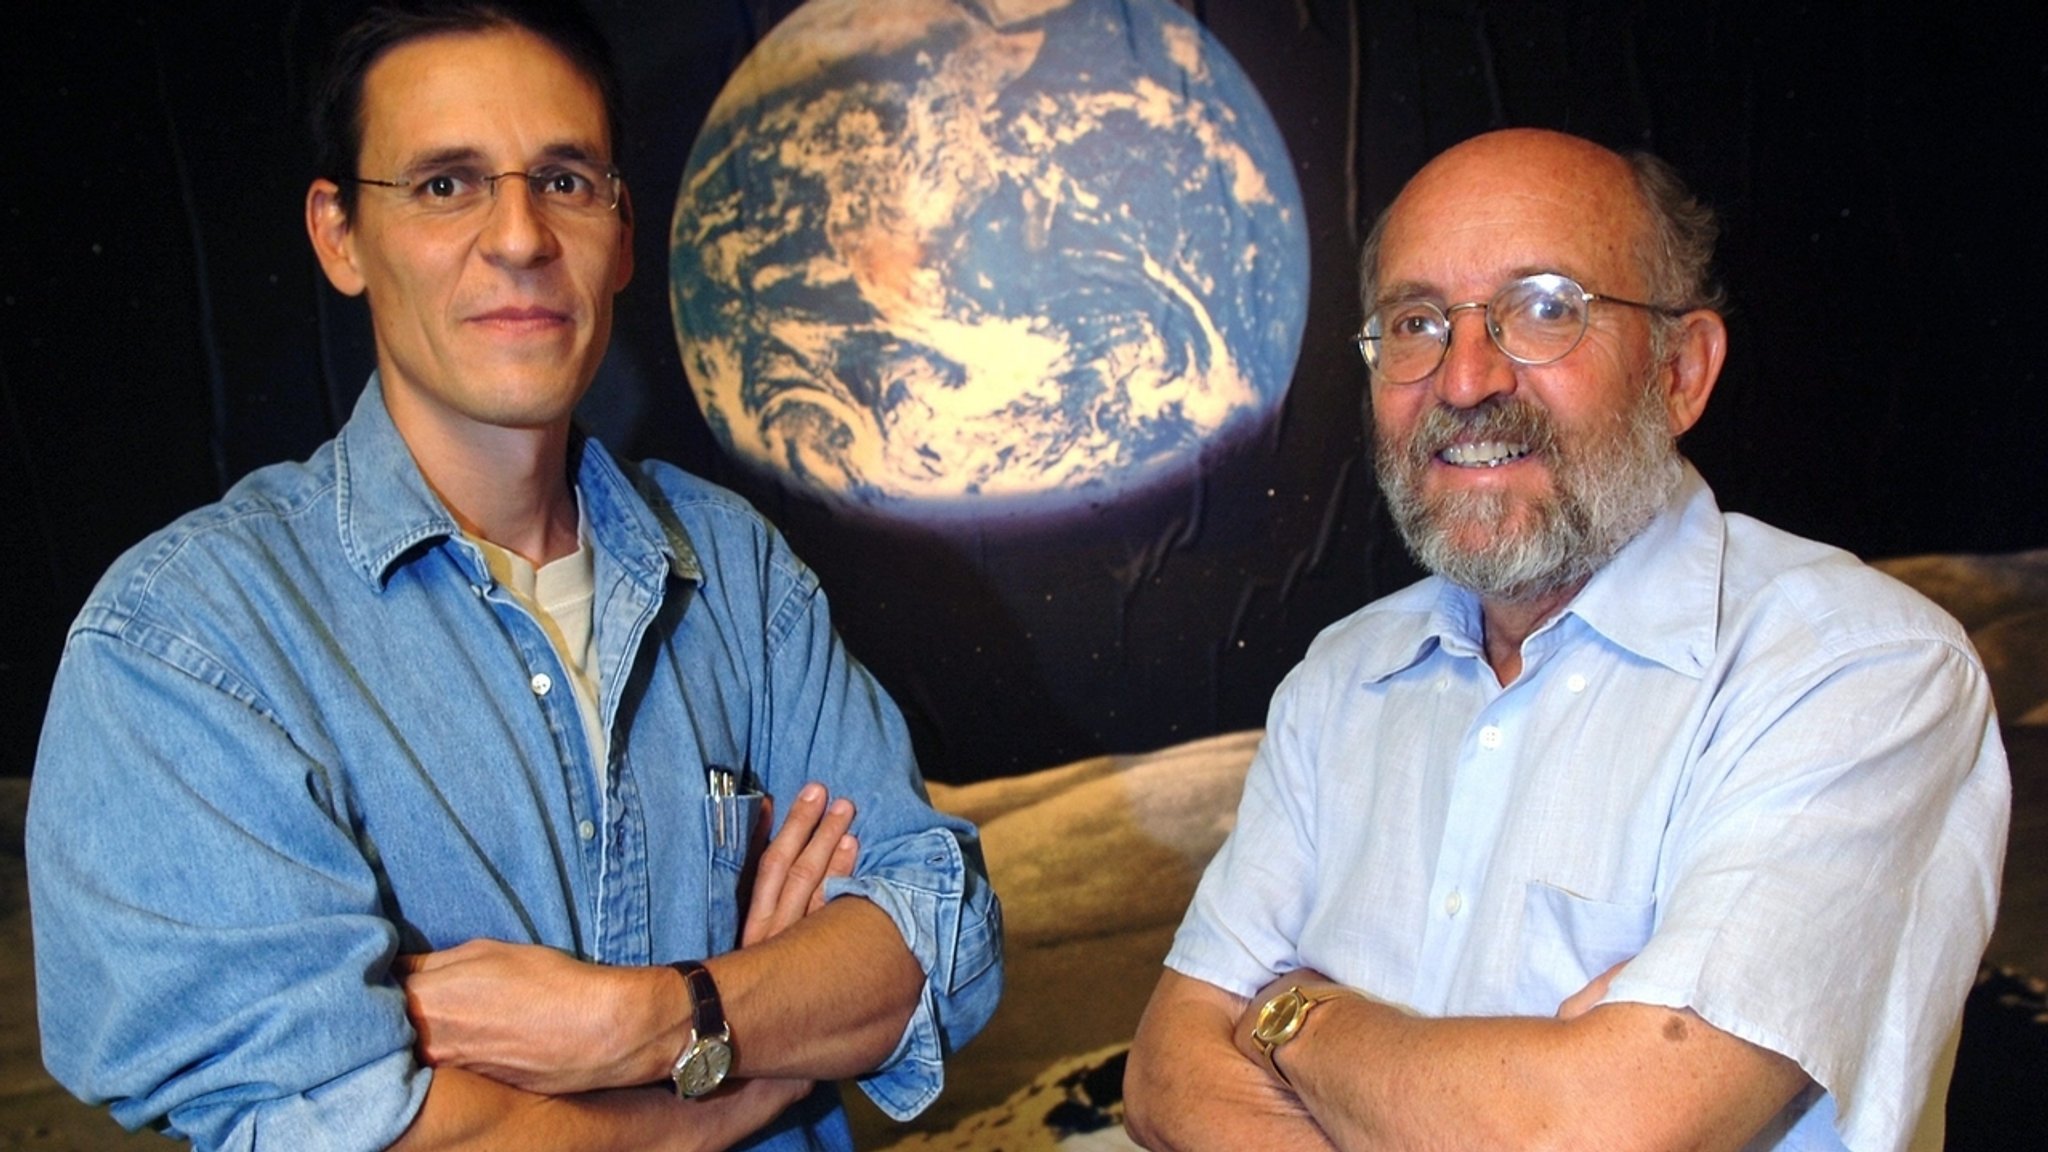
[[300, 731]]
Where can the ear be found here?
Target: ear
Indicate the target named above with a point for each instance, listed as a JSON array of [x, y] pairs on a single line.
[[1694, 363], [327, 225], [625, 272]]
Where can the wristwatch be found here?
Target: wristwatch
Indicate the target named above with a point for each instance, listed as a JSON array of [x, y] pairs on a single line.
[[707, 1057], [1281, 1018]]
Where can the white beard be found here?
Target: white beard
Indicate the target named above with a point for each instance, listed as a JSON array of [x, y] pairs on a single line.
[[1609, 487]]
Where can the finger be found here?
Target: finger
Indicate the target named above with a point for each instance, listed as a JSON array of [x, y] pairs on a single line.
[[784, 847], [469, 950], [844, 856], [772, 868], [750, 872], [807, 872], [1585, 999], [842, 862], [414, 963]]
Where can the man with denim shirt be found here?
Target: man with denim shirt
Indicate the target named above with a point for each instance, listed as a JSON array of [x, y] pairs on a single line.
[[419, 795], [1638, 824]]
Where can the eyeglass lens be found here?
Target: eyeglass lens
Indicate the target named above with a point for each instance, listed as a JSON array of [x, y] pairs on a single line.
[[1534, 320], [567, 187]]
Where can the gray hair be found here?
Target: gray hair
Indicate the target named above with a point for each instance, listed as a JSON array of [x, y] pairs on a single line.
[[1678, 254]]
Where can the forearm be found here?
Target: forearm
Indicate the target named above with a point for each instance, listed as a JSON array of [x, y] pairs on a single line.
[[1422, 1084], [826, 999], [819, 990], [1188, 1088], [464, 1110], [1622, 1076]]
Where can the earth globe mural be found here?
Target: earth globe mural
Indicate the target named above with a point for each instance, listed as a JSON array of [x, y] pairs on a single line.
[[943, 258]]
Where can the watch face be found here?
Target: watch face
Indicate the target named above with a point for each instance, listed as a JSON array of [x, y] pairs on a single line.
[[704, 1068], [1280, 1017]]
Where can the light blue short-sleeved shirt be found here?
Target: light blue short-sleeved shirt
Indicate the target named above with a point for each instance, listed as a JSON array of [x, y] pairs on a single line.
[[1763, 773], [302, 730]]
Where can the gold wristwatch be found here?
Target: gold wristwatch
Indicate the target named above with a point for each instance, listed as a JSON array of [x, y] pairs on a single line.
[[1281, 1018]]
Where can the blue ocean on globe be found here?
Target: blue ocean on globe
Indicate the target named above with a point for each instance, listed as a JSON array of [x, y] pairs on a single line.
[[938, 258]]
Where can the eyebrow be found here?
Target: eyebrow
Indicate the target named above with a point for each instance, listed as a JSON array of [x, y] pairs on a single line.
[[1421, 290], [463, 154], [1403, 290]]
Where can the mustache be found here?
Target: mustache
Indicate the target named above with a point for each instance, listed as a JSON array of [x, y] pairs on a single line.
[[1507, 419]]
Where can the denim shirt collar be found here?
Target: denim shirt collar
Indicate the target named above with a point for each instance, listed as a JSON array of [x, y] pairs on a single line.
[[1659, 597], [384, 509]]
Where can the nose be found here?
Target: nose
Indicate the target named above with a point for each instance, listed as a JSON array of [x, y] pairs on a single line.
[[516, 232], [1474, 367]]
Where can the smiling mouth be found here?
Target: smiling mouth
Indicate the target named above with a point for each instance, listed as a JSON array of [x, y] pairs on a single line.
[[1483, 454]]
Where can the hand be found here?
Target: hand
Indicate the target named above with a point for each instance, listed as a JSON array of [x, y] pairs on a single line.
[[789, 880], [1581, 1002], [736, 1111], [533, 1017]]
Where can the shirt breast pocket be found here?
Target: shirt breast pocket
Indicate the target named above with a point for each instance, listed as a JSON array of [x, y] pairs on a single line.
[[729, 825], [1568, 939]]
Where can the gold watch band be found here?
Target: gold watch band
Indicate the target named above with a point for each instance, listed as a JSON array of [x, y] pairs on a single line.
[[1282, 1017]]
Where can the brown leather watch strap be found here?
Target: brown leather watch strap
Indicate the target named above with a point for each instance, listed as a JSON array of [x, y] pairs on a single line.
[[707, 1015]]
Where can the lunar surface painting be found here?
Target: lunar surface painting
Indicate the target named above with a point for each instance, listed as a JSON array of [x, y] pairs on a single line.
[[953, 258]]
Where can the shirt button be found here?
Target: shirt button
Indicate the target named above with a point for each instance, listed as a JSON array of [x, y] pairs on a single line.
[[1576, 682], [1489, 737], [586, 829], [540, 683], [1453, 904]]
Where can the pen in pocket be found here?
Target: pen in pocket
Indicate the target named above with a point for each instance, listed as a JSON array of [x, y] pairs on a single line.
[[722, 784]]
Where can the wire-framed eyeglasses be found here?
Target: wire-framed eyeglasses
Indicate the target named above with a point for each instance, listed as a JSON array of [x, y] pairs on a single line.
[[567, 188], [1534, 320]]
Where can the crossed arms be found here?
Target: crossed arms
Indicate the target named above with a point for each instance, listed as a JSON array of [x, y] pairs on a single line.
[[1364, 1075], [534, 1049]]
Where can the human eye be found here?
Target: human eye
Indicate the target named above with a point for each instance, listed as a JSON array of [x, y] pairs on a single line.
[[441, 189], [1543, 307], [1413, 320], [567, 184]]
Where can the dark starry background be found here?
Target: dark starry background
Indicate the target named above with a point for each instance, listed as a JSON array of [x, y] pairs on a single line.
[[163, 328]]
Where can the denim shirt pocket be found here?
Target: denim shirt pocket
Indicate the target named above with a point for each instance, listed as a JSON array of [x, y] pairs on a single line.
[[729, 823], [1568, 939]]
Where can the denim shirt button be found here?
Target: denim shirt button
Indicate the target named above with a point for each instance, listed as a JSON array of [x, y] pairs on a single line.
[[586, 829], [541, 683]]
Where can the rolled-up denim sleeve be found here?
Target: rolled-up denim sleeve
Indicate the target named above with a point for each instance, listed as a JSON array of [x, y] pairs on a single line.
[[211, 960], [942, 904], [833, 722]]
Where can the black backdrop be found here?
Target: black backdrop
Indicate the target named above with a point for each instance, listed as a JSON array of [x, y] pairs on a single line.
[[163, 329]]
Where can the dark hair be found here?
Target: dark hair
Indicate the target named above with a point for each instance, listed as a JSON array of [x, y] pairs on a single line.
[[337, 114]]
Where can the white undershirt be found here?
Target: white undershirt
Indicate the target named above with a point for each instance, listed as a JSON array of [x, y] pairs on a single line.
[[559, 596]]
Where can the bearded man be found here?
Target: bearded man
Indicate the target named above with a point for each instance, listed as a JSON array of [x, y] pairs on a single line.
[[1636, 825]]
